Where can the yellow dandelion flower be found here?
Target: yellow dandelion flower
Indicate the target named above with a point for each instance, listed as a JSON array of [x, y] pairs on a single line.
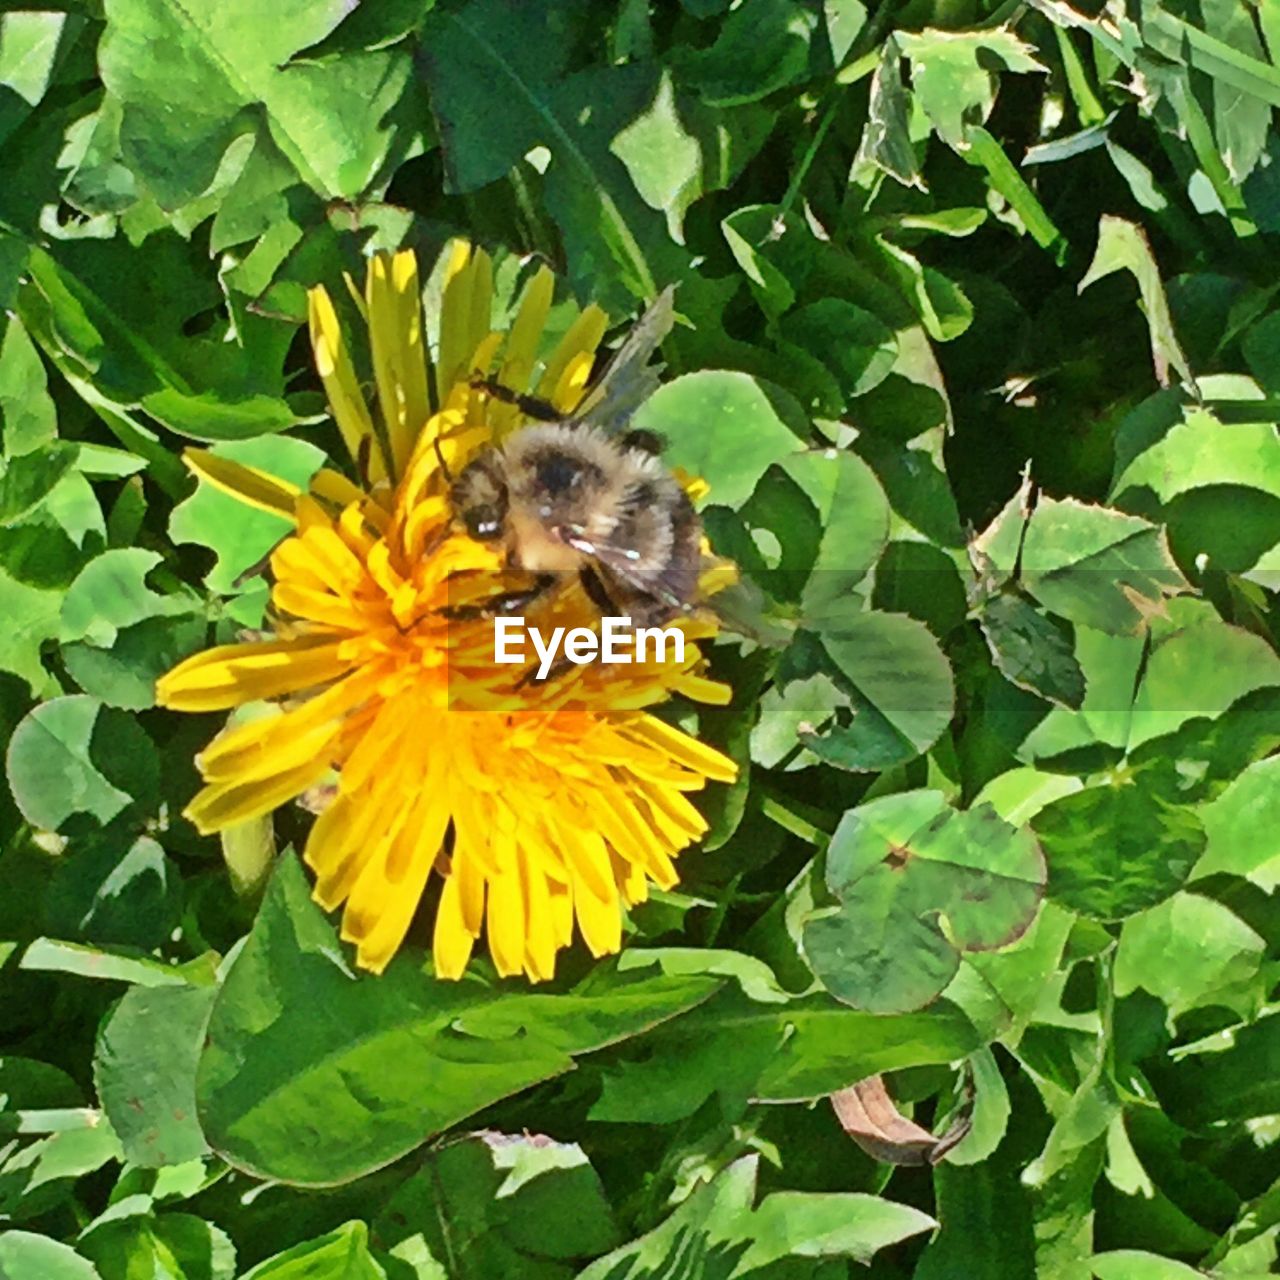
[[539, 804]]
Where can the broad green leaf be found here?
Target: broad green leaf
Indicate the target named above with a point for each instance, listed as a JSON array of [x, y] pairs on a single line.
[[50, 955], [944, 309], [179, 117], [33, 615], [805, 1048], [856, 346], [110, 594], [270, 1067], [790, 1224], [697, 1240], [1097, 567], [128, 344], [25, 1256], [340, 1255], [662, 157], [74, 758], [886, 137], [950, 75], [241, 536], [26, 1085], [177, 1245], [902, 868], [1199, 666], [760, 47], [728, 428], [1123, 246], [497, 74], [26, 409], [1132, 1264], [1191, 951], [987, 1230], [1120, 847], [1227, 1078], [1031, 650], [900, 686], [110, 892], [1243, 824], [1202, 451], [144, 1069], [716, 1235], [118, 635], [991, 1111], [29, 478], [757, 237], [503, 1204], [854, 514]]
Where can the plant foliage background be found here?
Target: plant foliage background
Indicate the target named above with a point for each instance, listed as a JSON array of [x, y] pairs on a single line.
[[983, 367]]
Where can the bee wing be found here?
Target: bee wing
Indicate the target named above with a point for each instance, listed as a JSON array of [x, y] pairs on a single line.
[[628, 380]]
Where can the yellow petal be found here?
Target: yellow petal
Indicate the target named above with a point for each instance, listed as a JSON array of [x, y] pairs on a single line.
[[399, 356], [583, 335], [682, 748], [333, 363], [222, 804], [452, 942], [232, 674]]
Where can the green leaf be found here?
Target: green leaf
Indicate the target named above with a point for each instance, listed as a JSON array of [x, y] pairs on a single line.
[[1243, 824], [26, 409], [1118, 848], [950, 76], [177, 1245], [1031, 650], [716, 1235], [1095, 566], [858, 348], [900, 868], [270, 1067], [1202, 451], [340, 1255], [1198, 666], [50, 955], [1123, 246], [127, 342], [119, 635], [1191, 951], [503, 1204], [728, 428], [496, 71], [329, 120], [760, 47], [1132, 1264], [24, 1256], [886, 138], [28, 479], [241, 536], [662, 157], [33, 613], [144, 1069], [73, 758], [900, 687]]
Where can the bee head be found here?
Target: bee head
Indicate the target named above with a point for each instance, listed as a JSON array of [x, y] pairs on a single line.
[[479, 496]]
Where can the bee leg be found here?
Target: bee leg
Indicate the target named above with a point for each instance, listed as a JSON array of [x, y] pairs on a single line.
[[509, 602], [530, 406], [597, 592], [556, 670], [646, 441]]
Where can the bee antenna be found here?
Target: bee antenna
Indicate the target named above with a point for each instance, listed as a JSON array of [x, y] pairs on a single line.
[[444, 466]]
